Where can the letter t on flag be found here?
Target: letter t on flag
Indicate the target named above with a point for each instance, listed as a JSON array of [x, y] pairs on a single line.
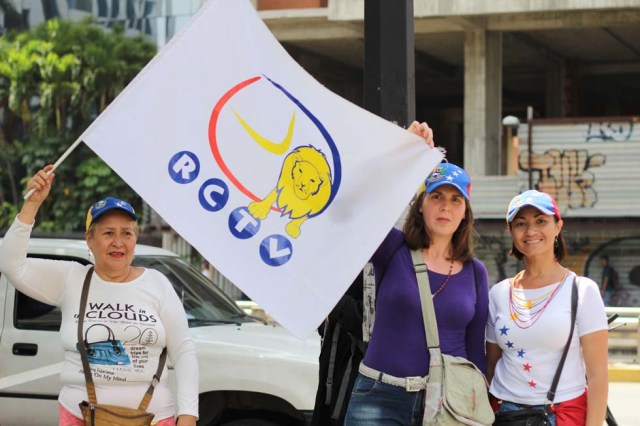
[[286, 188]]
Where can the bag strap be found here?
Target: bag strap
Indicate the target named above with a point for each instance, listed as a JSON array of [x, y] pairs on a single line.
[[426, 301], [434, 390], [342, 393], [556, 378], [332, 364], [91, 389], [146, 399]]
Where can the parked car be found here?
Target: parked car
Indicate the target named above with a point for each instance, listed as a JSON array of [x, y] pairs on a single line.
[[251, 373]]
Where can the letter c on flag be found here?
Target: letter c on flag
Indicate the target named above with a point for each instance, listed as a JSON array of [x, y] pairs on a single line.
[[213, 195]]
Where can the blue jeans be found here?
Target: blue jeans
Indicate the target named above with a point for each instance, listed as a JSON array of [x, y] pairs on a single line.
[[507, 406], [374, 403]]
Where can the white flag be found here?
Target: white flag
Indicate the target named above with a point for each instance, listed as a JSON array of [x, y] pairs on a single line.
[[286, 188]]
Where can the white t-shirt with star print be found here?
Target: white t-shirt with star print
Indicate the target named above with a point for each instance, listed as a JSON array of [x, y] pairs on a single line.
[[531, 350]]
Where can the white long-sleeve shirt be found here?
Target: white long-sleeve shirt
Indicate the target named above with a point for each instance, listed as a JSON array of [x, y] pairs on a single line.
[[141, 316]]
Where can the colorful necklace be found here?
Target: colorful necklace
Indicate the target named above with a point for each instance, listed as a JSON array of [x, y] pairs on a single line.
[[446, 280], [528, 303], [525, 312]]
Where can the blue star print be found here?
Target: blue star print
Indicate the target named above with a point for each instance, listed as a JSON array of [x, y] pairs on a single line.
[[521, 353], [509, 344], [503, 330]]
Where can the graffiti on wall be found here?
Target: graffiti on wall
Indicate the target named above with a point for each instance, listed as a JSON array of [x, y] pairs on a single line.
[[565, 174], [609, 131]]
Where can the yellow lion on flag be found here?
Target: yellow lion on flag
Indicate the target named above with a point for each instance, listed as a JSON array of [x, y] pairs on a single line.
[[302, 191]]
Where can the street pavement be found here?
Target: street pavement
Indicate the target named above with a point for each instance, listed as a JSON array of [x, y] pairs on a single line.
[[624, 402]]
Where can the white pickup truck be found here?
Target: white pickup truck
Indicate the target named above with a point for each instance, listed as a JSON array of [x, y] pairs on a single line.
[[250, 373]]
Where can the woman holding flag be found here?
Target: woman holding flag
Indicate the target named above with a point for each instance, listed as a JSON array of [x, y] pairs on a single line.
[[391, 385], [134, 309]]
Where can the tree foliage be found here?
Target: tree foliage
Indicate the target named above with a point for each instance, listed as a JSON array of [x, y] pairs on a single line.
[[55, 79]]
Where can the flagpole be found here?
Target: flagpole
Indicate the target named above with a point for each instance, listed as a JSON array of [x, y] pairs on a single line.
[[56, 164]]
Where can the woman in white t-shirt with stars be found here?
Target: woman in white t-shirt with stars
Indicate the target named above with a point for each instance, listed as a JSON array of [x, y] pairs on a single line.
[[529, 323]]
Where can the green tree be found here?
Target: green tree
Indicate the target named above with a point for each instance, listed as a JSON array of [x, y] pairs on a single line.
[[55, 79]]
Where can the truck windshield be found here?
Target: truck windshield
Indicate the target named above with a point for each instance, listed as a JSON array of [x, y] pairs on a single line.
[[203, 301]]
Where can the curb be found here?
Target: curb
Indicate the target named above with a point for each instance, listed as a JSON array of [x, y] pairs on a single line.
[[624, 372]]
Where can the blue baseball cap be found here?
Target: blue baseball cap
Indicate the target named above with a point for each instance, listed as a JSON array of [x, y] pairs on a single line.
[[540, 200], [105, 205], [448, 174]]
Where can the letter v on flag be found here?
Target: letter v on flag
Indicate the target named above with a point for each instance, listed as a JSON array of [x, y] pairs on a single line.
[[286, 188]]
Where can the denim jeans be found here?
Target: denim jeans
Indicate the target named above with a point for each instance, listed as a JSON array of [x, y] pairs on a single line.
[[507, 406], [374, 403]]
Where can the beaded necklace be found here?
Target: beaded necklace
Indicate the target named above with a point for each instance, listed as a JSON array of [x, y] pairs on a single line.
[[446, 280], [526, 312]]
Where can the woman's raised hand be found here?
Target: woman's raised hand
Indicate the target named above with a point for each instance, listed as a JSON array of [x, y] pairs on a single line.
[[41, 183], [423, 130]]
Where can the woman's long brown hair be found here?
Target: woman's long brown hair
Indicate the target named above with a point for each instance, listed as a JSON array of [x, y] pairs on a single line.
[[417, 237]]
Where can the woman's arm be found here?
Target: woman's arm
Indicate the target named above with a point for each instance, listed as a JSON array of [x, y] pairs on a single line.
[[595, 348], [186, 420], [27, 275], [182, 353], [494, 353]]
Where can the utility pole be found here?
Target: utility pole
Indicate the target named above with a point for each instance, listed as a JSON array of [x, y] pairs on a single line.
[[389, 60]]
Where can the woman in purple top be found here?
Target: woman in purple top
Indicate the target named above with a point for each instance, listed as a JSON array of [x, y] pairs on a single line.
[[440, 222]]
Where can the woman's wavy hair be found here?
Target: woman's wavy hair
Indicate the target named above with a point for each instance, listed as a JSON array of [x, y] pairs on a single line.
[[559, 246], [417, 237]]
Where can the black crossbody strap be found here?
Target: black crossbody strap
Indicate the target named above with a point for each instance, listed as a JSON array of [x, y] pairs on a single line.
[[91, 389], [574, 310], [341, 399]]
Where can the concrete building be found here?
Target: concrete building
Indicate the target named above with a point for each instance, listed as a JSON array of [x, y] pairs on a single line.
[[568, 70]]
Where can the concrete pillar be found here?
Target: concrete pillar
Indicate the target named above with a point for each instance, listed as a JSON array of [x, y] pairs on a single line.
[[482, 102]]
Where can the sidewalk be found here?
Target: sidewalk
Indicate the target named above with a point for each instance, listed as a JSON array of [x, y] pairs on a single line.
[[624, 372], [623, 401]]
